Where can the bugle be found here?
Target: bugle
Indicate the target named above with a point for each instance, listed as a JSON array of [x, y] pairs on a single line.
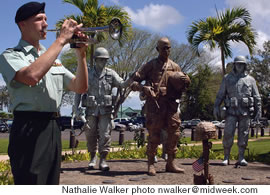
[[114, 29]]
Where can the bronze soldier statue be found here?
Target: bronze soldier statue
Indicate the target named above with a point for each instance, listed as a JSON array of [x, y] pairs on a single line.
[[164, 84]]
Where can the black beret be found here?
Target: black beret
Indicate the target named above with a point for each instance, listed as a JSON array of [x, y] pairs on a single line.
[[29, 9]]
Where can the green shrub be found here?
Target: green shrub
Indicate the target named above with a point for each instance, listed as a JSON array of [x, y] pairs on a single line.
[[6, 177], [77, 156]]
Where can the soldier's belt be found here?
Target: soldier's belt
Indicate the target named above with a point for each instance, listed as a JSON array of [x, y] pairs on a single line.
[[92, 101], [235, 102]]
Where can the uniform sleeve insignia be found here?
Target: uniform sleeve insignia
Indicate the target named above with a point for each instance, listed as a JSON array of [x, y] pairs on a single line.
[[57, 64]]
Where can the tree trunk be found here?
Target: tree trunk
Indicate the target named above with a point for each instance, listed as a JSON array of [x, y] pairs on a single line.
[[223, 61]]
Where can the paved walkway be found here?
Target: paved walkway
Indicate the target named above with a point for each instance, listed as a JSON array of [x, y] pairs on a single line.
[[114, 149]]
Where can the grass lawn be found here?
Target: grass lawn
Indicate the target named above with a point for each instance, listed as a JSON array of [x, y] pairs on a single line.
[[65, 145], [3, 146], [259, 147]]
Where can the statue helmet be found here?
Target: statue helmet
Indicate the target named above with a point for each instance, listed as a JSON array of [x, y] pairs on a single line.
[[178, 80], [240, 59], [101, 52]]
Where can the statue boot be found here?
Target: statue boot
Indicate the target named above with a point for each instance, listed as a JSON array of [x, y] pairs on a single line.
[[171, 167], [164, 154], [103, 166], [93, 160], [155, 159], [241, 157], [227, 151], [151, 167]]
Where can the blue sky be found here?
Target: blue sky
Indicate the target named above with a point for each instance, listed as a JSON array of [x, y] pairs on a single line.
[[165, 17]]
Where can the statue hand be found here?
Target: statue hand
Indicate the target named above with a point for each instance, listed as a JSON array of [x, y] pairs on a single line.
[[257, 117], [135, 86], [148, 91]]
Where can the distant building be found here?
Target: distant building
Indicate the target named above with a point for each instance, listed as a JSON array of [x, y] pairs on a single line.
[[127, 112]]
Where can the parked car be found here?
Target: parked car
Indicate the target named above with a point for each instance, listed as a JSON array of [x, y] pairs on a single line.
[[9, 123], [3, 128], [263, 123], [139, 120], [65, 123], [123, 121], [119, 127], [192, 123], [221, 124], [134, 127], [5, 125], [216, 123], [184, 124]]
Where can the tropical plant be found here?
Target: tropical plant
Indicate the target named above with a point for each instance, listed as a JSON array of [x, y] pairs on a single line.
[[259, 68], [4, 97], [200, 95], [231, 25], [6, 177], [94, 15]]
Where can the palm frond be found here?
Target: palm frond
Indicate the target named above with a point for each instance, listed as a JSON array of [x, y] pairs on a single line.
[[236, 14], [78, 18], [78, 3]]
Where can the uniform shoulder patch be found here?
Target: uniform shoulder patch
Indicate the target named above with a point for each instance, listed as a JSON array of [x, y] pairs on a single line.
[[14, 49], [57, 62], [17, 49]]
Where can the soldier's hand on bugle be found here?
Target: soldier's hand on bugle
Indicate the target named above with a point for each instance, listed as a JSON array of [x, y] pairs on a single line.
[[71, 29], [68, 29]]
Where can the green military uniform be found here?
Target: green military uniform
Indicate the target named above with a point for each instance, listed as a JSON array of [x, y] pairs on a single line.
[[35, 139]]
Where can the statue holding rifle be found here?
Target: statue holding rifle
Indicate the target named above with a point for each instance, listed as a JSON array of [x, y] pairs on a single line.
[[164, 84]]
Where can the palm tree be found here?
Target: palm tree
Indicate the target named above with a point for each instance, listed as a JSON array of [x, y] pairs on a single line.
[[94, 15], [232, 25]]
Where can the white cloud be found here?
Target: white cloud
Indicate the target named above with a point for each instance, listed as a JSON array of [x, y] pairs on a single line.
[[133, 101], [262, 37], [260, 8], [260, 13], [212, 55], [155, 16], [242, 48]]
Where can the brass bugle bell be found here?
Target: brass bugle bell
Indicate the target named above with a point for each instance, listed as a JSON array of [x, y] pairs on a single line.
[[114, 29]]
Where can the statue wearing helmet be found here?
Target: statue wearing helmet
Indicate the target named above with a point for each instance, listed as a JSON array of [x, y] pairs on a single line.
[[101, 52], [161, 105], [99, 107], [242, 101]]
